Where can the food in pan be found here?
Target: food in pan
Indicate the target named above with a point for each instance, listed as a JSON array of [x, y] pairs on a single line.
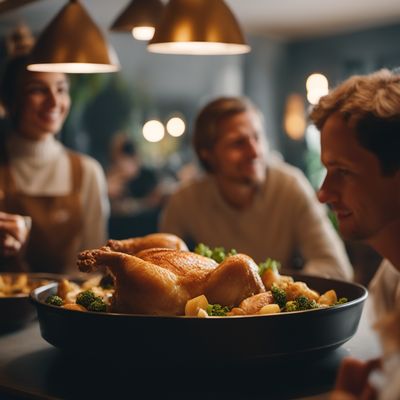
[[18, 284], [160, 281], [144, 278]]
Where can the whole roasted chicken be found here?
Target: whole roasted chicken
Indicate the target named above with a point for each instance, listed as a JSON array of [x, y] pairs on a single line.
[[159, 281]]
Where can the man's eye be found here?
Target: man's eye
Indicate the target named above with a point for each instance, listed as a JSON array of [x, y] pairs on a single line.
[[343, 172]]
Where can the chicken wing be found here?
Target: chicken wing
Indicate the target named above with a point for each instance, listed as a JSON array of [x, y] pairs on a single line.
[[136, 244]]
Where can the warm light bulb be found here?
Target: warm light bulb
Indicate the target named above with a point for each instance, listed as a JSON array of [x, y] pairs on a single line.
[[73, 68], [294, 120], [153, 131], [317, 86], [295, 126], [198, 48], [143, 32], [176, 127], [313, 97], [316, 82]]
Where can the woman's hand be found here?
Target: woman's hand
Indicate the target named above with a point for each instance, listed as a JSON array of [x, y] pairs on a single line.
[[14, 231]]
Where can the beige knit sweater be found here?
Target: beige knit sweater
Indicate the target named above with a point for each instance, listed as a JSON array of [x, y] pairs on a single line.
[[284, 218]]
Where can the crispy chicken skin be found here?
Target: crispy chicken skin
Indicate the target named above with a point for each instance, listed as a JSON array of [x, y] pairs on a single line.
[[160, 281], [235, 279], [136, 244]]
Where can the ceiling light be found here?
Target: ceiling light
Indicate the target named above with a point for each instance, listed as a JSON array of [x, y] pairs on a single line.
[[176, 126], [198, 27], [317, 86], [153, 131], [294, 121], [140, 17], [72, 43]]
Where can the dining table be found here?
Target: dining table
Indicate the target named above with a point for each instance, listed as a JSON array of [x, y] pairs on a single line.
[[31, 368]]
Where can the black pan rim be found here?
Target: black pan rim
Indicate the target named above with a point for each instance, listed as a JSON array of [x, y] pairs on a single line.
[[36, 293]]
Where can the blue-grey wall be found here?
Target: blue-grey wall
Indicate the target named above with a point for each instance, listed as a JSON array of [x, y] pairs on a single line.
[[337, 57]]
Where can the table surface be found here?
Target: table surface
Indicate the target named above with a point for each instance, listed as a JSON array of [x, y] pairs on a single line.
[[30, 368]]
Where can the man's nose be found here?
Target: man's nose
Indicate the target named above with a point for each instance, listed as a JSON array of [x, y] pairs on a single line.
[[253, 148], [326, 194]]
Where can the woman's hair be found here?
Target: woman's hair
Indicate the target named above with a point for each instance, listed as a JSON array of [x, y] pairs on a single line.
[[206, 132], [10, 81], [372, 103]]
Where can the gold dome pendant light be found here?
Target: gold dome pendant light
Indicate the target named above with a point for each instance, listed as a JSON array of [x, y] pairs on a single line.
[[198, 27], [140, 18], [72, 43]]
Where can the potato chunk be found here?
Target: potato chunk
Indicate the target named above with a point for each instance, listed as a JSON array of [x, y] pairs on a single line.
[[328, 298], [194, 305]]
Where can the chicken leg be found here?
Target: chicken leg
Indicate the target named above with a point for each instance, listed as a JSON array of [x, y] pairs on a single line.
[[141, 287]]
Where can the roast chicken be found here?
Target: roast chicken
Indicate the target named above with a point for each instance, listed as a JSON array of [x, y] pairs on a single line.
[[159, 281]]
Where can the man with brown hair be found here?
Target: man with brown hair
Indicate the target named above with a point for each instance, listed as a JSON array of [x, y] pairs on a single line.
[[249, 199], [360, 146]]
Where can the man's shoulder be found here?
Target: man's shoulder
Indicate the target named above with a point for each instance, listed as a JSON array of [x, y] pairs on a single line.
[[194, 188], [284, 170]]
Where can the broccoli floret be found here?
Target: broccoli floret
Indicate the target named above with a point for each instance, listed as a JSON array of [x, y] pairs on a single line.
[[304, 303], [301, 303], [232, 252], [85, 298], [54, 300], [203, 250], [97, 306], [269, 263], [291, 306], [279, 296], [218, 254], [342, 300], [217, 310]]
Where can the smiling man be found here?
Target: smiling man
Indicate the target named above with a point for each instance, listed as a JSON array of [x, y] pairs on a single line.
[[360, 148], [249, 199]]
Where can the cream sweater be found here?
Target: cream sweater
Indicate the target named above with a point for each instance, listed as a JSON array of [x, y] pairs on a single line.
[[285, 217], [42, 168]]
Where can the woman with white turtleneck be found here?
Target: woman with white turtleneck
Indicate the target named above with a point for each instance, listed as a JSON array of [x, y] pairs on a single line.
[[62, 191]]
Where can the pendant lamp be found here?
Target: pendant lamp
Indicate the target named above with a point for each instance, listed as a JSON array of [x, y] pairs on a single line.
[[140, 17], [198, 27], [72, 43]]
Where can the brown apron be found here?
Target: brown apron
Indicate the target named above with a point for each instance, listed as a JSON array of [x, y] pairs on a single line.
[[56, 220]]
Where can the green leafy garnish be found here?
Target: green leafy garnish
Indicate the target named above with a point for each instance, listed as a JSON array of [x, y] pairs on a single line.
[[279, 295], [269, 263], [216, 310], [218, 254]]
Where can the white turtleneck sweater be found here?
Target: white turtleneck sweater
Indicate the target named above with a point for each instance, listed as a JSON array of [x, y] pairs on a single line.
[[42, 168]]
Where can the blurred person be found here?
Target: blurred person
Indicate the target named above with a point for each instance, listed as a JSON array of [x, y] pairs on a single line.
[[249, 199], [132, 187], [360, 145], [63, 192]]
